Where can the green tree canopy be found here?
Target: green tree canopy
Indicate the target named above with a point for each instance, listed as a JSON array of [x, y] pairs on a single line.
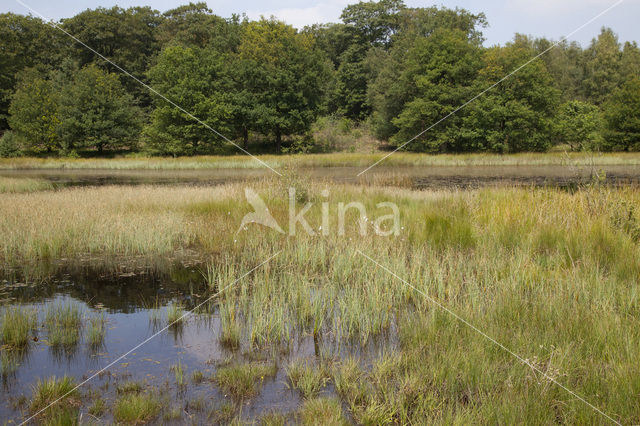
[[442, 68], [602, 67], [197, 80], [622, 114], [285, 75], [579, 125], [195, 25], [74, 109], [516, 114], [127, 37], [35, 112], [96, 112], [26, 42], [436, 45]]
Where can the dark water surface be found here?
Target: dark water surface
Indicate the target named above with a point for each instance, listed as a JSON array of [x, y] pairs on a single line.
[[421, 177]]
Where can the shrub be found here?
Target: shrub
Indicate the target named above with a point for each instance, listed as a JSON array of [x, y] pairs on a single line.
[[10, 145]]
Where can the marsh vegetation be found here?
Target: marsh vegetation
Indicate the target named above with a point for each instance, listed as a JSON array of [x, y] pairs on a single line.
[[320, 334]]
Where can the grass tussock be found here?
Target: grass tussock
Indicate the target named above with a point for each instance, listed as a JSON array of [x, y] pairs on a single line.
[[16, 325], [243, 381], [96, 331], [61, 391], [322, 411], [63, 321], [136, 408], [306, 378]]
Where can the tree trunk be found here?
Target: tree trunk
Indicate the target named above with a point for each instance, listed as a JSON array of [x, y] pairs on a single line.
[[278, 141], [245, 138]]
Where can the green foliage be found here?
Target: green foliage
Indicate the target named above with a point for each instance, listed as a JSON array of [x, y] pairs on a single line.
[[133, 408], [127, 37], [416, 64], [26, 42], [195, 79], [516, 114], [622, 114], [69, 110], [194, 25], [35, 112], [441, 70], [602, 67], [579, 125], [373, 22], [96, 111], [16, 324], [397, 69], [284, 75], [10, 145]]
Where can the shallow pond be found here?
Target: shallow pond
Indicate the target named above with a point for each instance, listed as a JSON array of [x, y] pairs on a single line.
[[135, 308], [422, 177]]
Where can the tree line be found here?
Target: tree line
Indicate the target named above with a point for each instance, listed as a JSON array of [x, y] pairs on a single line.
[[391, 69]]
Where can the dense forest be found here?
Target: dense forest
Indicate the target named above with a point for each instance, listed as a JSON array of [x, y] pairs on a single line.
[[387, 71]]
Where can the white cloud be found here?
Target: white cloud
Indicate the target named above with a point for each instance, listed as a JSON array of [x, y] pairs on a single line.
[[301, 16], [550, 8]]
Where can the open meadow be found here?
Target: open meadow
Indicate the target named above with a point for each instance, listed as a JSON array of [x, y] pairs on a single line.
[[309, 328]]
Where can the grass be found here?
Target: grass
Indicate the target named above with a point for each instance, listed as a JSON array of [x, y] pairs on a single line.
[[322, 160], [23, 185], [550, 274], [96, 331], [243, 381], [306, 378], [98, 408], [322, 411], [197, 377], [129, 387], [63, 322], [178, 371], [134, 408], [16, 324], [175, 313], [48, 391]]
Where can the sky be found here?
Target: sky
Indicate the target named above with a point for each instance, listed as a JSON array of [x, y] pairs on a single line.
[[550, 18]]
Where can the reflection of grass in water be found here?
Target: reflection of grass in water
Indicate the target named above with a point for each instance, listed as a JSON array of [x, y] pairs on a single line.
[[10, 360], [243, 380], [222, 413], [20, 185], [155, 314], [16, 323], [133, 408], [63, 323], [197, 377]]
